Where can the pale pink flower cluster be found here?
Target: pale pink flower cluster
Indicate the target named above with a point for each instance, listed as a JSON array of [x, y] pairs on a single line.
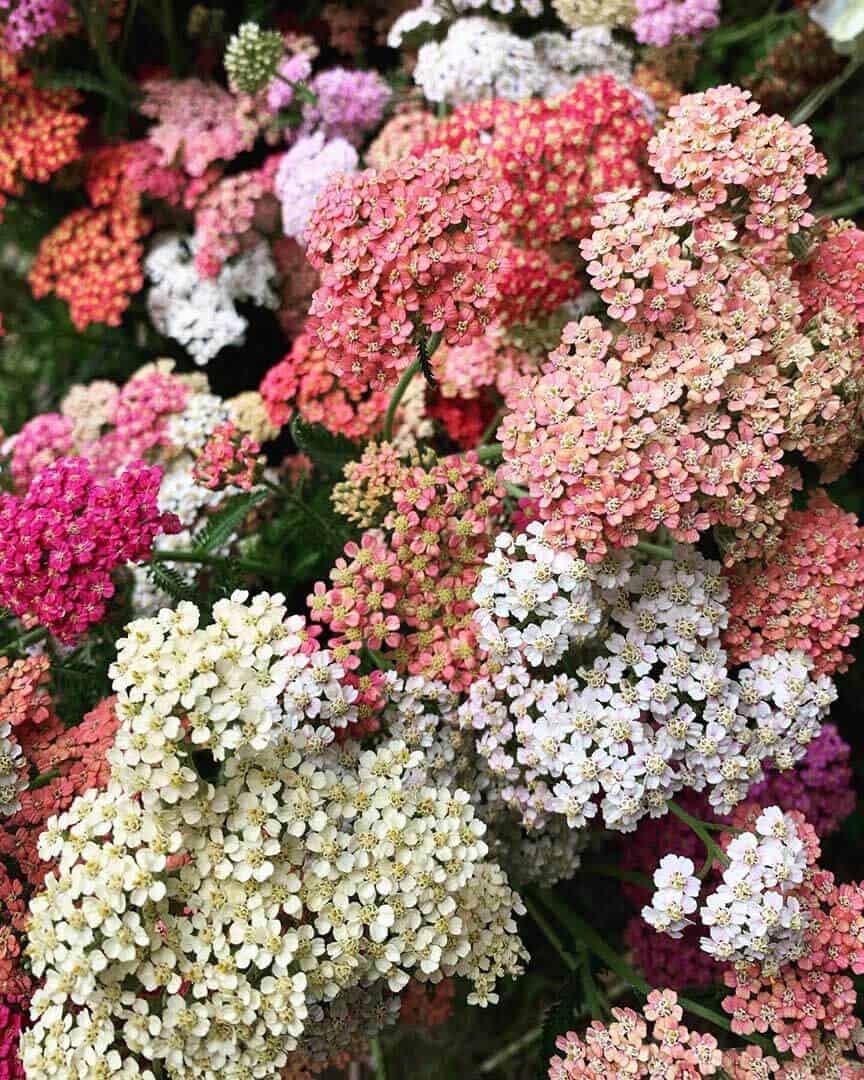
[[683, 415]]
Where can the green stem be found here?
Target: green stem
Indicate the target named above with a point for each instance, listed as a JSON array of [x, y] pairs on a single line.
[[511, 1049], [818, 98], [407, 375], [494, 452], [252, 566], [517, 492], [29, 637], [843, 209], [491, 427], [44, 778], [727, 36], [169, 32], [659, 551], [550, 934], [589, 937], [699, 827], [378, 1058]]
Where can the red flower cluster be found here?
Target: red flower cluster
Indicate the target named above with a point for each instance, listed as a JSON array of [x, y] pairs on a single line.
[[834, 274], [557, 154], [61, 540], [406, 588], [807, 593], [304, 382], [38, 130], [92, 259], [404, 253]]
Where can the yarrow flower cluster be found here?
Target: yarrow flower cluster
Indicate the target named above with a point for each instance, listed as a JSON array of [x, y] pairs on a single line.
[[684, 417], [61, 540], [753, 914], [228, 458], [360, 872], [806, 593], [403, 253], [406, 587], [252, 57], [656, 710], [348, 104], [303, 173], [200, 312]]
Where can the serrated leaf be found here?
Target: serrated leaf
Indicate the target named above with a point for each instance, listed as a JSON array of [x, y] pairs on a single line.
[[220, 528], [329, 452], [170, 582], [557, 1021]]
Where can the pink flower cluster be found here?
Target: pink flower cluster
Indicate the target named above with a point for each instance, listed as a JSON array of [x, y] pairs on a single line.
[[303, 381], [684, 416], [231, 215], [405, 589], [833, 275], [26, 22], [61, 540], [197, 123], [109, 427], [806, 593], [813, 996], [660, 21], [654, 1043], [293, 69], [229, 458], [403, 253]]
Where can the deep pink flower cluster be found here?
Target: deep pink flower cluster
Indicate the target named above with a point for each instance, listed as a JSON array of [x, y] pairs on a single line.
[[110, 428], [834, 273], [405, 589], [12, 1019], [61, 540], [684, 417], [229, 458], [820, 786], [25, 23], [403, 253], [806, 593]]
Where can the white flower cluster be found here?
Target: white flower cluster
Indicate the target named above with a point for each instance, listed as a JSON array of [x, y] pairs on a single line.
[[676, 889], [238, 877], [200, 312], [753, 914], [480, 58], [13, 773], [433, 13], [633, 700], [422, 713]]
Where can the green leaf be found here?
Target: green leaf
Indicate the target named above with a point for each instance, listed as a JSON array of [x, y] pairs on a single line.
[[220, 528], [557, 1021], [170, 581], [331, 453], [80, 80]]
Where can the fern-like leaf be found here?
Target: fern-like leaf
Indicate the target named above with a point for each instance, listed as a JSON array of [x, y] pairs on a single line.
[[219, 529], [170, 581], [330, 452], [557, 1021]]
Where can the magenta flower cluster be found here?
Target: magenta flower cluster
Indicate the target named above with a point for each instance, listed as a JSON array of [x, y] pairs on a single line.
[[60, 541]]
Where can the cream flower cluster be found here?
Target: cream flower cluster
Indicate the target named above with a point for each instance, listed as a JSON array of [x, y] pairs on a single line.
[[240, 874], [608, 690], [751, 915], [423, 713]]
